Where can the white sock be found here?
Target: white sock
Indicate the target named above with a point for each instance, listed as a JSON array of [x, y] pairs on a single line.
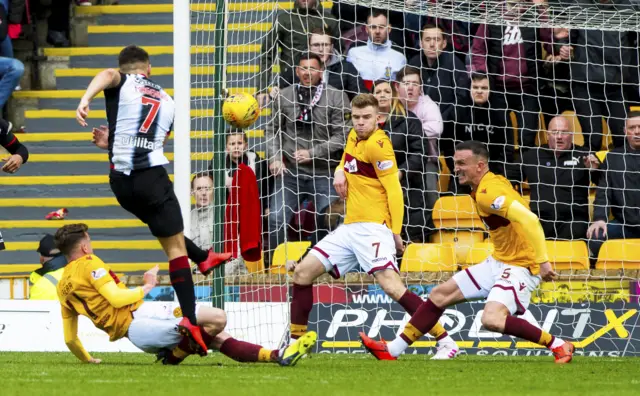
[[397, 346], [447, 341], [556, 343]]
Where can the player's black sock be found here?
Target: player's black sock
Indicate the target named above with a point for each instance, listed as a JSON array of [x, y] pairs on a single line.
[[182, 282], [195, 254]]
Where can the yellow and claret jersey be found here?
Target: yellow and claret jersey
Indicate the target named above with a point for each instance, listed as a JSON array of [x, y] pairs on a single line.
[[493, 197], [79, 295], [364, 163]]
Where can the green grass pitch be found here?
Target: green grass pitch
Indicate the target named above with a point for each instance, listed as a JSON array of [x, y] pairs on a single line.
[[327, 375]]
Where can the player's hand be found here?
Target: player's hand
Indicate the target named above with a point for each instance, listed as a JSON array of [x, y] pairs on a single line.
[[100, 137], [400, 175], [594, 229], [399, 244], [94, 361], [565, 52], [82, 112], [302, 156], [151, 277], [560, 33], [277, 168], [546, 272], [290, 265], [12, 163], [340, 184]]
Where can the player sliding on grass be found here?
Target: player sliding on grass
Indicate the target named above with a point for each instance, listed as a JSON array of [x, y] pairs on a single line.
[[367, 178], [140, 116], [506, 279], [89, 288]]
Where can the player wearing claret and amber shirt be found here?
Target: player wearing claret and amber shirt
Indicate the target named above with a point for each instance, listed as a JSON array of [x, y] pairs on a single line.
[[89, 288], [506, 278], [367, 178]]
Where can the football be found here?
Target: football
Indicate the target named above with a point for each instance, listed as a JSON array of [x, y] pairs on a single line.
[[241, 110]]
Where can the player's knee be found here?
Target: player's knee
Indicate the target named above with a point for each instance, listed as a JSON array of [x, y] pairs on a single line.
[[214, 320], [493, 320], [438, 296], [306, 272]]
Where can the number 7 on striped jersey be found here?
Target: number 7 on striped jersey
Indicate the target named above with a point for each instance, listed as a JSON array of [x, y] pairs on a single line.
[[153, 112]]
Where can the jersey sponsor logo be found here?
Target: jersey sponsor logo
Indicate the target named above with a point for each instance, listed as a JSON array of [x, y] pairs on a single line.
[[99, 273], [498, 202], [140, 142], [351, 166], [384, 165]]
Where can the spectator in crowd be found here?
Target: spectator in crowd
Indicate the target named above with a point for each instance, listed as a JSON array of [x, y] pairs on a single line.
[[59, 23], [458, 32], [19, 153], [405, 131], [377, 60], [304, 144], [509, 54], [338, 73], [11, 69], [410, 94], [290, 34], [444, 76], [602, 63], [618, 191], [483, 123], [202, 214], [558, 174], [238, 153], [44, 280]]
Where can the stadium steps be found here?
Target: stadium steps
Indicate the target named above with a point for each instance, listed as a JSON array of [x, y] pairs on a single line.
[[66, 170]]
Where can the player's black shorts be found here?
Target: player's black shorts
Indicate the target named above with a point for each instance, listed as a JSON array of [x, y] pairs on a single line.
[[148, 194]]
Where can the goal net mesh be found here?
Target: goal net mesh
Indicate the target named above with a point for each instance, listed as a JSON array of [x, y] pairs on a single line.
[[592, 85]]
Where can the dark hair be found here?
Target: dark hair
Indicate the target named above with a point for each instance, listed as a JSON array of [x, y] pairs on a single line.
[[429, 25], [477, 148], [364, 100], [319, 32], [310, 56], [633, 114], [67, 237], [132, 54], [234, 132], [376, 12], [199, 175], [477, 76], [407, 71]]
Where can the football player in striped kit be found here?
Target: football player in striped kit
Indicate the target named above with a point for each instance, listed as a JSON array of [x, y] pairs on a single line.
[[140, 117]]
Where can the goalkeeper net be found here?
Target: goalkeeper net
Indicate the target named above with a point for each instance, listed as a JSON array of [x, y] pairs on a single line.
[[538, 60]]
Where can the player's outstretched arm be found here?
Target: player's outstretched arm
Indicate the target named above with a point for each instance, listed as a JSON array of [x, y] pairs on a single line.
[[70, 327], [518, 213], [121, 297], [105, 79]]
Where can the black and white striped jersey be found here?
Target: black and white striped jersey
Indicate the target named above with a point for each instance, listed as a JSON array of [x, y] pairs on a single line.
[[140, 115]]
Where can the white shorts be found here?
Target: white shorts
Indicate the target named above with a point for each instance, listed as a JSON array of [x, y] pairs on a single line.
[[369, 245], [509, 285], [155, 326]]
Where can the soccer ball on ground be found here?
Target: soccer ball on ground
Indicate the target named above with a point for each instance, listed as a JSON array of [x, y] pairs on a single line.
[[240, 110]]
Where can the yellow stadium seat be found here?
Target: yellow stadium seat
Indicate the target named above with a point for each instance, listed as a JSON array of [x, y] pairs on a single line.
[[456, 212], [568, 255], [461, 240], [429, 257], [285, 252], [478, 253], [619, 254], [578, 138]]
